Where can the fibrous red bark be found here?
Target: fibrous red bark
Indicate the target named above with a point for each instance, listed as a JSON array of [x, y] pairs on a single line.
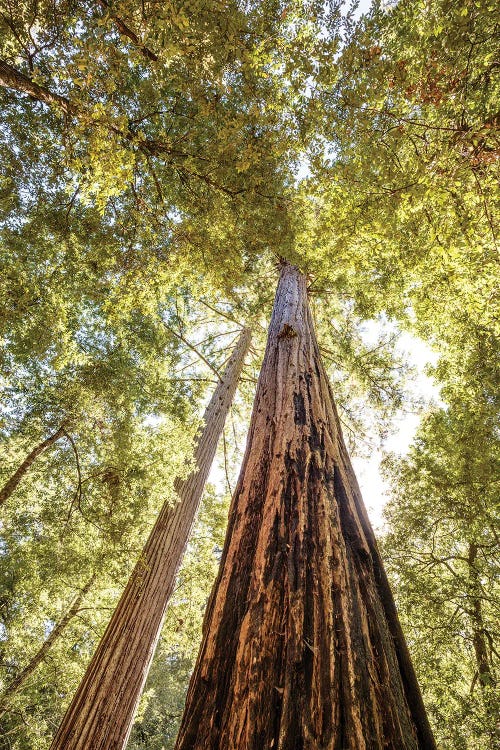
[[101, 714], [302, 649]]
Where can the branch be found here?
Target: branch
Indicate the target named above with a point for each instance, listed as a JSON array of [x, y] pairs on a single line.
[[127, 31], [16, 478], [195, 350], [78, 492], [35, 660], [11, 78], [224, 314]]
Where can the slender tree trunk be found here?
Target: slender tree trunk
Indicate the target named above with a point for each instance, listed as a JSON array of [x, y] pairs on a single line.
[[15, 479], [101, 714], [302, 649], [42, 652], [477, 622]]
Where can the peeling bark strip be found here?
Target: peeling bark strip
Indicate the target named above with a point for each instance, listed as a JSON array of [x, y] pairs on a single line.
[[302, 649], [101, 714], [15, 479]]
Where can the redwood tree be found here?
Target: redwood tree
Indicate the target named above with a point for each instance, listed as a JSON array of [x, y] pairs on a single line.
[[101, 714], [302, 648]]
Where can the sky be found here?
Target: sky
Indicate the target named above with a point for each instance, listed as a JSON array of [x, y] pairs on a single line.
[[363, 7], [374, 489]]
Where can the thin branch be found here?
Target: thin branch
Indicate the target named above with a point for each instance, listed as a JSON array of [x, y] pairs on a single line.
[[194, 349], [12, 483], [220, 312], [78, 492]]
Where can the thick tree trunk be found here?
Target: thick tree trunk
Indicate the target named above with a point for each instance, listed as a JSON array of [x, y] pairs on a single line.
[[302, 649], [101, 714], [15, 479], [42, 652]]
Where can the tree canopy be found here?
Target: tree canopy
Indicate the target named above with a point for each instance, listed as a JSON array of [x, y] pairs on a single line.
[[157, 161]]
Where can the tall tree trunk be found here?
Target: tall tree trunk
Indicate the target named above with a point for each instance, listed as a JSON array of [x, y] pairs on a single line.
[[475, 611], [18, 681], [302, 649], [101, 714], [15, 479]]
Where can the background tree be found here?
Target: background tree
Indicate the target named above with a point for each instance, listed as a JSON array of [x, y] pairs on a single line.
[[54, 541], [102, 710], [442, 553], [162, 703], [86, 505]]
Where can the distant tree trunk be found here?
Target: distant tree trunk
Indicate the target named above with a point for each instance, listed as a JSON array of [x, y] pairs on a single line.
[[101, 714], [302, 648], [18, 681], [15, 479], [477, 621]]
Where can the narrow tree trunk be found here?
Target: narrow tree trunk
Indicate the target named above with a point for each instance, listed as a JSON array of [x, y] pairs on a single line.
[[42, 652], [15, 479], [101, 714], [302, 649], [477, 623]]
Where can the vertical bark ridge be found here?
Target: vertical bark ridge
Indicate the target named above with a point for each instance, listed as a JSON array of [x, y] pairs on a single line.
[[101, 714], [299, 649]]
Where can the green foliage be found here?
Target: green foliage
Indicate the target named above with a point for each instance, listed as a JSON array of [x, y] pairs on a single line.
[[402, 208], [61, 530], [181, 121], [442, 552], [149, 160]]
